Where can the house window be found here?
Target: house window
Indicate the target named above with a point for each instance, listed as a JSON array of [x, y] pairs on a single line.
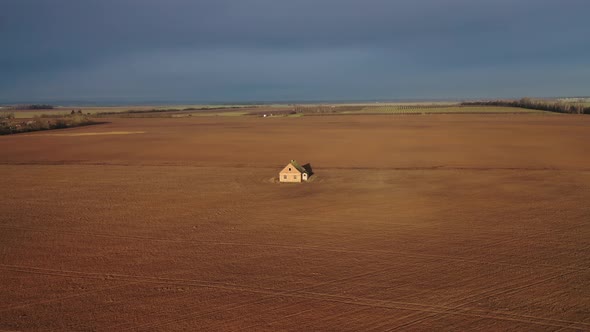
[[295, 177], [289, 168], [285, 177]]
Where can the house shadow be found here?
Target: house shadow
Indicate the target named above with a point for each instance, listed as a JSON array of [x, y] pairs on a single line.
[[308, 168]]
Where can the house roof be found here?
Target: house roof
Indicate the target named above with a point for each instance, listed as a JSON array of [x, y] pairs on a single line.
[[298, 167]]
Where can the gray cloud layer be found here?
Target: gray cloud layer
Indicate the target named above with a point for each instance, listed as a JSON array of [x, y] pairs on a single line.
[[220, 50]]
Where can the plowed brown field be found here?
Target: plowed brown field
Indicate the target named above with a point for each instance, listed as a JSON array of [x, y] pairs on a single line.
[[427, 223]]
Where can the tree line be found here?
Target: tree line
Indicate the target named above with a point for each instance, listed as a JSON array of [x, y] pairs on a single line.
[[10, 125], [29, 107], [535, 104]]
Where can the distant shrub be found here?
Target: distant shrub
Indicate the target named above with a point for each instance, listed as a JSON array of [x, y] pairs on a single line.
[[38, 124], [59, 124], [78, 119], [6, 115]]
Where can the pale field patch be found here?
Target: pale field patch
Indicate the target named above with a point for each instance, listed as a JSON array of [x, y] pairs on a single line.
[[96, 133]]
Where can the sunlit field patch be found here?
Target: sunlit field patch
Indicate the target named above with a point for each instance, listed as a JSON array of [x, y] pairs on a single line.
[[96, 134]]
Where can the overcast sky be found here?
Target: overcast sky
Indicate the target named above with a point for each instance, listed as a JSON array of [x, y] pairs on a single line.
[[272, 50]]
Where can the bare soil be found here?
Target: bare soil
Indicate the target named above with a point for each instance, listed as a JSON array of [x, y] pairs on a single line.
[[426, 223]]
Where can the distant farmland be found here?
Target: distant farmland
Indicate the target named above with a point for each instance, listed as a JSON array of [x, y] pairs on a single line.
[[442, 109], [116, 110], [274, 110]]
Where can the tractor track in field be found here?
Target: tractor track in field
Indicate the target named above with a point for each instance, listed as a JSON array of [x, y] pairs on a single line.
[[285, 306], [383, 305], [306, 248], [72, 296], [300, 312], [300, 293], [520, 284], [33, 303], [190, 315], [305, 295]]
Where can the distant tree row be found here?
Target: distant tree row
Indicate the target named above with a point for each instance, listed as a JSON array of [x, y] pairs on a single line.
[[313, 109], [543, 105], [322, 109], [13, 126], [30, 107], [419, 106]]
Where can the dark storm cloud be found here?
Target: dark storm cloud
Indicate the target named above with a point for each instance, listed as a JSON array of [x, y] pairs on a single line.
[[306, 49]]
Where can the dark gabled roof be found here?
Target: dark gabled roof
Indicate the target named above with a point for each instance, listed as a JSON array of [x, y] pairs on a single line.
[[299, 167]]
